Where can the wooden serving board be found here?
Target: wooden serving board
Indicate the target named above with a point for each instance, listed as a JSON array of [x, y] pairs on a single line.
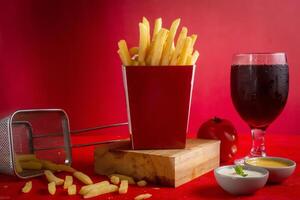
[[166, 167]]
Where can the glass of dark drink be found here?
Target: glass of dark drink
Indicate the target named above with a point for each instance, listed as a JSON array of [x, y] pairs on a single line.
[[259, 91]]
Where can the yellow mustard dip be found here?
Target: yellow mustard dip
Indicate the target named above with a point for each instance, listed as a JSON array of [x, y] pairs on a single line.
[[265, 162]]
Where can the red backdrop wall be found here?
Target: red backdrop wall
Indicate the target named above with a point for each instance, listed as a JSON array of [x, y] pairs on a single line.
[[63, 53]]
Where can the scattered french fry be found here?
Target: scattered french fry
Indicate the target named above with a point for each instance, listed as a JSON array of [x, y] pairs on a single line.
[[25, 157], [72, 190], [143, 196], [83, 178], [123, 187], [85, 189], [68, 182], [32, 164], [123, 177], [27, 187], [52, 178], [115, 180], [101, 190], [52, 188], [141, 183]]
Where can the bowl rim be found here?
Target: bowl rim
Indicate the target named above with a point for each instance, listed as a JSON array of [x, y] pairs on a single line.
[[290, 162], [265, 173]]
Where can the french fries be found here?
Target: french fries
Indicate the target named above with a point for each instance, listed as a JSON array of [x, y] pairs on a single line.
[[18, 167], [52, 178], [52, 188], [157, 27], [123, 177], [46, 164], [141, 183], [85, 189], [90, 190], [184, 53], [158, 46], [168, 46], [124, 53], [32, 164], [179, 45], [143, 196], [49, 165], [194, 38], [83, 178], [191, 59], [25, 157], [65, 168], [27, 187], [72, 190], [133, 51], [143, 43], [101, 190], [68, 182], [146, 23], [115, 180], [160, 50], [123, 187]]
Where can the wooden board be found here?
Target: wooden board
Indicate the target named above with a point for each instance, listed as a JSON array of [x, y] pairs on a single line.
[[166, 167]]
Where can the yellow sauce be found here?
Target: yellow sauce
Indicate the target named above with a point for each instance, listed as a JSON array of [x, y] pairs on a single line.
[[264, 162]]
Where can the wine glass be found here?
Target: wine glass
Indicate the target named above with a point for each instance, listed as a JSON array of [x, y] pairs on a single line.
[[259, 91]]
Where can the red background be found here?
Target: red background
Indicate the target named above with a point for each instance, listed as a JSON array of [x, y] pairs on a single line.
[[59, 53], [63, 53]]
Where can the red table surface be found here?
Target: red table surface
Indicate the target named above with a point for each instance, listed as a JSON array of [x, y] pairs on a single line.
[[204, 187]]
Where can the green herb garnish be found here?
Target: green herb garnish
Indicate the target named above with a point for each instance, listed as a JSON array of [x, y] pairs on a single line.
[[240, 170]]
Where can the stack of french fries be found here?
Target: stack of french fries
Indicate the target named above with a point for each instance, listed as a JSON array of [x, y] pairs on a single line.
[[118, 183], [31, 162], [160, 49]]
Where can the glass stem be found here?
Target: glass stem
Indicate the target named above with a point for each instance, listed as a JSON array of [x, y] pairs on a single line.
[[258, 143]]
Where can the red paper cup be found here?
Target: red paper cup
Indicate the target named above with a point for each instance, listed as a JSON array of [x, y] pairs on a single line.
[[158, 104]]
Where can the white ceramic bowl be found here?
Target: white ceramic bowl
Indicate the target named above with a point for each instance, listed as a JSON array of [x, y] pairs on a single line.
[[276, 174], [241, 185]]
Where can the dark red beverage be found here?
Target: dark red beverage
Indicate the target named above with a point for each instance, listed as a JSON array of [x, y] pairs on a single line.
[[259, 92]]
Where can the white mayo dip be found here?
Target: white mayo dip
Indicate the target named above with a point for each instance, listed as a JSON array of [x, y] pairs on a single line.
[[231, 172]]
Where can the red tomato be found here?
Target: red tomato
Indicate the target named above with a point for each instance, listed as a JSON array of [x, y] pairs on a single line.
[[221, 129]]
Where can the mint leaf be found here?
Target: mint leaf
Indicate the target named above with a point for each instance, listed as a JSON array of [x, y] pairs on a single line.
[[240, 170]]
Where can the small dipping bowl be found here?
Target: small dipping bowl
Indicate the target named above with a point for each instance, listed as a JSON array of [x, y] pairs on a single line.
[[279, 168], [239, 185]]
